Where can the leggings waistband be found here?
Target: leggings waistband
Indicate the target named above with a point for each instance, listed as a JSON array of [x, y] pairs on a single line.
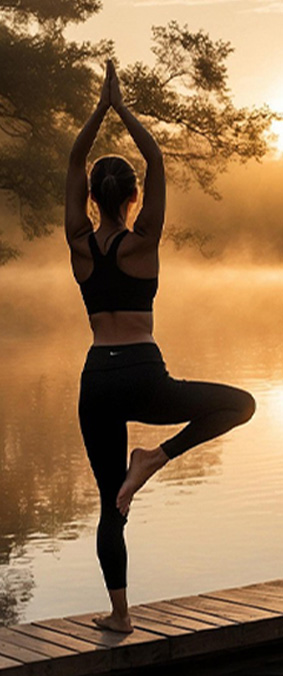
[[116, 356]]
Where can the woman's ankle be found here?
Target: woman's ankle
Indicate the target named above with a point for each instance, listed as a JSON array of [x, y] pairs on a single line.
[[118, 598], [124, 615], [161, 455]]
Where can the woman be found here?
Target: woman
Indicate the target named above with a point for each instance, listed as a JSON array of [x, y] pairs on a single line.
[[125, 377]]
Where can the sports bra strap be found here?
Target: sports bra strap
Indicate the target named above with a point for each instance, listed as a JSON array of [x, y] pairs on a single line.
[[95, 250], [93, 245], [115, 243]]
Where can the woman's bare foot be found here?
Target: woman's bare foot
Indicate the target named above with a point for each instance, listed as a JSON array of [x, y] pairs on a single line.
[[115, 623], [143, 464]]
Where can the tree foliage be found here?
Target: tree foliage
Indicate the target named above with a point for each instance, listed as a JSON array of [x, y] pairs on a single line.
[[49, 86], [187, 90], [44, 94], [58, 12]]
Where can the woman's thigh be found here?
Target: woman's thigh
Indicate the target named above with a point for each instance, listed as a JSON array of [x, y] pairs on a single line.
[[179, 400]]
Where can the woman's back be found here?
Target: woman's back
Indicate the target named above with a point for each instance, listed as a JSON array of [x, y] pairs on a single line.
[[118, 284], [120, 310]]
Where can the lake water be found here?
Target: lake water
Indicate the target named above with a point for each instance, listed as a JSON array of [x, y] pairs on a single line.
[[210, 519]]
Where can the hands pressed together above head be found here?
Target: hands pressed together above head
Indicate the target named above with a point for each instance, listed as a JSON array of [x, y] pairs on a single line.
[[110, 92]]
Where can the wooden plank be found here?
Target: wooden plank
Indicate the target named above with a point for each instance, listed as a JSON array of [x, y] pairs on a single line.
[[130, 650], [189, 623], [62, 625], [100, 659], [180, 646], [153, 615], [20, 654], [156, 627], [168, 607], [274, 583], [45, 636], [224, 608], [15, 668], [22, 636], [192, 642], [267, 588], [164, 631], [158, 651], [234, 637], [250, 630], [112, 639], [7, 664], [253, 599], [60, 659], [150, 612]]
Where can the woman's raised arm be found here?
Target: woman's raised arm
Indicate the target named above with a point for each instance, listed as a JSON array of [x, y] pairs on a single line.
[[151, 217], [77, 223]]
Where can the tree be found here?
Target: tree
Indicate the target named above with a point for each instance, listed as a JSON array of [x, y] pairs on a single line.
[[184, 99], [189, 104], [55, 13], [44, 91]]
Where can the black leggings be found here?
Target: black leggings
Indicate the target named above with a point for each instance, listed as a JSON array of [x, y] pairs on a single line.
[[121, 383]]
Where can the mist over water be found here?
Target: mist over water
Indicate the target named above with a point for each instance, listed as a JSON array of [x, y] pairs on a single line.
[[214, 515], [246, 224], [237, 291], [228, 306]]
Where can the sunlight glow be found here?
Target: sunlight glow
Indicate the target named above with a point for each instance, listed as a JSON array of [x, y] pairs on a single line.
[[277, 130], [275, 103]]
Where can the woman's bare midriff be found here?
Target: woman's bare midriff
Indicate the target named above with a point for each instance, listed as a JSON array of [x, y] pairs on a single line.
[[121, 328]]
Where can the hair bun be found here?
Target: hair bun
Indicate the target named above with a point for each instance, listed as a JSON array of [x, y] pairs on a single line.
[[110, 188], [109, 181]]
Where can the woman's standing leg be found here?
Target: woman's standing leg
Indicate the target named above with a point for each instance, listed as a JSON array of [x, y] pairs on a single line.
[[105, 437], [211, 409]]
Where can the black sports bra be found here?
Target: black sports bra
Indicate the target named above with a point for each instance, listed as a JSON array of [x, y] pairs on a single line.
[[109, 289]]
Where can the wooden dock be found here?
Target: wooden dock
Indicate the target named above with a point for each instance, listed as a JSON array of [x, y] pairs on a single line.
[[165, 632]]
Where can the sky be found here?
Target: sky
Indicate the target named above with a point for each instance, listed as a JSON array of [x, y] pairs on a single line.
[[254, 28]]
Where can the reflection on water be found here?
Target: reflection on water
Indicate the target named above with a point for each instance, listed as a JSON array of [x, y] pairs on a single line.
[[210, 518], [46, 485]]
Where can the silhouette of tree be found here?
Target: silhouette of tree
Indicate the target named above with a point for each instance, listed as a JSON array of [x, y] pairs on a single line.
[[188, 101], [58, 12], [44, 91], [189, 109], [48, 88]]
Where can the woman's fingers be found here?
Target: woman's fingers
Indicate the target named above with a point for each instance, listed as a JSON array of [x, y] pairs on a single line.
[[105, 90], [112, 70], [108, 68], [114, 90]]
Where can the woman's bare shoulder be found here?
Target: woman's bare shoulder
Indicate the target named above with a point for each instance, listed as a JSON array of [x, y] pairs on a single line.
[[137, 255], [139, 241]]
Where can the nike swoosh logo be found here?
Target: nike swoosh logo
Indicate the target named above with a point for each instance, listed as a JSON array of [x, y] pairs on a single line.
[[112, 354]]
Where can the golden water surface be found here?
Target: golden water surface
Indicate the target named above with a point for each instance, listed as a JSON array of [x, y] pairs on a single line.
[[211, 518]]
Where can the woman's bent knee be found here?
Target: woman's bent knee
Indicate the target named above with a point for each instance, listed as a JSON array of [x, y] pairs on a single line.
[[247, 406]]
